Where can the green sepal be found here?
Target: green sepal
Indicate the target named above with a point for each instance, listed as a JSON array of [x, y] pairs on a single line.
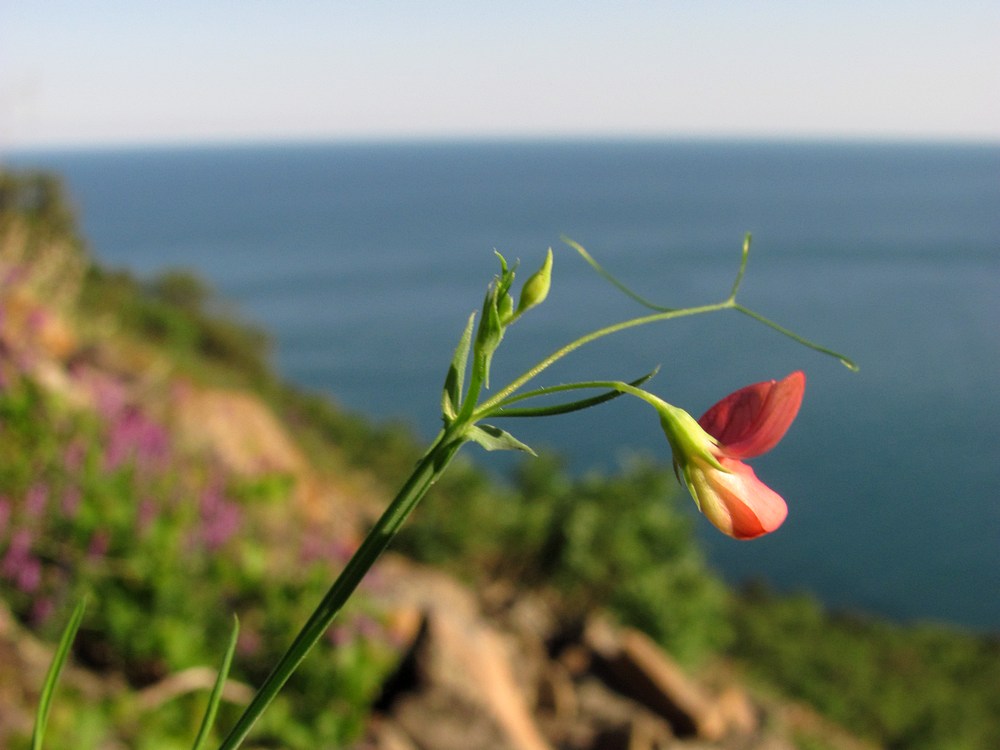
[[688, 440], [506, 278], [494, 439], [504, 302], [451, 396]]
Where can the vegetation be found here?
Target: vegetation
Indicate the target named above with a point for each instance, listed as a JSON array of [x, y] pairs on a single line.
[[98, 496], [101, 504], [923, 686], [177, 313]]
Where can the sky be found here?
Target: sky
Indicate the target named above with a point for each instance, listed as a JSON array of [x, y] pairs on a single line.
[[101, 73]]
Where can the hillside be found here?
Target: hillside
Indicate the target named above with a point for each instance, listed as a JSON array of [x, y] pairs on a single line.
[[154, 462]]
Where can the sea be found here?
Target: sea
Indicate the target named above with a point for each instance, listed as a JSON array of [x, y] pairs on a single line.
[[364, 259]]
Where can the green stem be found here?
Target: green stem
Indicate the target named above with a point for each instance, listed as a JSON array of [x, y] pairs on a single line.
[[845, 361], [426, 473], [487, 406]]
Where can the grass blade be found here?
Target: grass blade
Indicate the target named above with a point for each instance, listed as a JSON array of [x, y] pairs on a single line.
[[52, 677], [216, 697]]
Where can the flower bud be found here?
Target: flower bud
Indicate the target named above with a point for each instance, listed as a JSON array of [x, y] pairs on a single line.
[[536, 288]]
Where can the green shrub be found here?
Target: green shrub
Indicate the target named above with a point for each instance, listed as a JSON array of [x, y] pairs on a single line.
[[178, 313], [916, 687]]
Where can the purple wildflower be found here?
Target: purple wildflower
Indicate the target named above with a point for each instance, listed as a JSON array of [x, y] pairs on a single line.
[[42, 609], [19, 565], [133, 436], [35, 500], [71, 498], [29, 575], [340, 635], [37, 318], [74, 456], [368, 628], [220, 517], [248, 642], [99, 544]]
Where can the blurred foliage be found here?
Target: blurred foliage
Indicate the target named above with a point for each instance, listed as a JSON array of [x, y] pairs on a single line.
[[917, 687], [330, 433], [40, 249], [102, 504], [178, 313], [39, 200], [96, 498]]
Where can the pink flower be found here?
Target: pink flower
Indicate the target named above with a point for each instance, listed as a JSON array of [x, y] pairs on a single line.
[[707, 453], [19, 564]]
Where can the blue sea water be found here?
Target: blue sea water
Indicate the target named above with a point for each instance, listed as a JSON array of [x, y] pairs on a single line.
[[364, 259]]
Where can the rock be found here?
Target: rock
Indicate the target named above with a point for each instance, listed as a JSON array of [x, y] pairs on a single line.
[[237, 427], [457, 666], [633, 664], [736, 711], [607, 718], [385, 734], [406, 585], [641, 733], [33, 325], [440, 719], [470, 659], [556, 693]]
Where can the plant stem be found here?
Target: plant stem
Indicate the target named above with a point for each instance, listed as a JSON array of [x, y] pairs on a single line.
[[425, 474], [487, 406]]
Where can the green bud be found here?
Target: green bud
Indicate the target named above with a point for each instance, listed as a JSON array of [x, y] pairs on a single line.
[[536, 289]]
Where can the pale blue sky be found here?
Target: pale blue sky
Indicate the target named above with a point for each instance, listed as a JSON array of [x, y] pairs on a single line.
[[101, 72]]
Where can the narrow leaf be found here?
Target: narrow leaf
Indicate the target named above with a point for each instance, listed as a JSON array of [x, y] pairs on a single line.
[[565, 408], [220, 682], [451, 398], [58, 662], [494, 439]]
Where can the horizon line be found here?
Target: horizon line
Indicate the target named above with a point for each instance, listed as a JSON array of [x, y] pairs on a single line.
[[166, 144]]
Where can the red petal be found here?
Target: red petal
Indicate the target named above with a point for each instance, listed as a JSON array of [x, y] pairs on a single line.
[[746, 508], [752, 420]]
